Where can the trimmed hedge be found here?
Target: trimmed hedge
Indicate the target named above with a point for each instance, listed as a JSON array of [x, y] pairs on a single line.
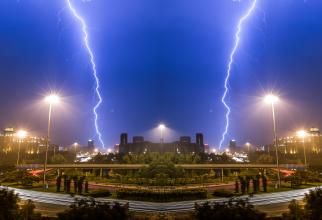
[[161, 196], [223, 193], [96, 194]]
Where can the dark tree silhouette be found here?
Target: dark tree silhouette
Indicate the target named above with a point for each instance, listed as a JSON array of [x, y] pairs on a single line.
[[313, 206], [90, 209], [264, 181], [236, 186], [233, 209], [9, 208], [58, 183]]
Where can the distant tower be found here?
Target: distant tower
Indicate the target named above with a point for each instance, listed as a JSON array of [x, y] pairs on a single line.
[[123, 139], [232, 144], [90, 143], [199, 139]]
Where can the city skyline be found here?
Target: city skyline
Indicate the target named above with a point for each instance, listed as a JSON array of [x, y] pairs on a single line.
[[150, 76]]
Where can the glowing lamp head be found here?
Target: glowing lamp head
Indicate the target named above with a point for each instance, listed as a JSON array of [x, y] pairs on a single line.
[[21, 134], [161, 126], [247, 144], [271, 99], [301, 133], [52, 99]]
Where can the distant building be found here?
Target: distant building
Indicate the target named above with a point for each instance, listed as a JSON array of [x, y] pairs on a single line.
[[9, 142], [233, 147], [90, 143], [140, 145], [294, 144]]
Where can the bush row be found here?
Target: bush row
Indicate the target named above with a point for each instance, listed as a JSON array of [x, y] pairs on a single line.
[[161, 196]]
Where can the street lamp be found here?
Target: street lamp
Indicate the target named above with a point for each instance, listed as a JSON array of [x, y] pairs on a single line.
[[248, 147], [21, 134], [75, 146], [51, 100], [302, 134], [272, 99], [161, 127]]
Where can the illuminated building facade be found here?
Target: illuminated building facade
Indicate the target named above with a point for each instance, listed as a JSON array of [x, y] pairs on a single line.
[[140, 145], [9, 142], [294, 144]]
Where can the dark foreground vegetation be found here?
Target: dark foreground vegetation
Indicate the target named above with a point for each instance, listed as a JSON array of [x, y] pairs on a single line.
[[11, 208]]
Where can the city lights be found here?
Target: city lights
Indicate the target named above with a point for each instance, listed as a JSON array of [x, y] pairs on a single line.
[[21, 134], [301, 133]]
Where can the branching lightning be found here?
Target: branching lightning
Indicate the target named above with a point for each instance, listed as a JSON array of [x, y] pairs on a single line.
[[230, 63], [93, 64]]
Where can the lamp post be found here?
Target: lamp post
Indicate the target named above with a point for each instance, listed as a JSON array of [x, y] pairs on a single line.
[[75, 149], [161, 127], [21, 134], [51, 99], [272, 99], [248, 147], [302, 134]]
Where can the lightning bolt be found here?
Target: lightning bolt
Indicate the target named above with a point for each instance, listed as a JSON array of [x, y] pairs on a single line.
[[229, 67], [93, 64]]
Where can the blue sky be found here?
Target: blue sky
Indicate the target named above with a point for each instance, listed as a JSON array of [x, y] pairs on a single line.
[[161, 61]]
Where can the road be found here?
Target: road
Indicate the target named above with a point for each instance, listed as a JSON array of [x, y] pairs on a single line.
[[58, 202]]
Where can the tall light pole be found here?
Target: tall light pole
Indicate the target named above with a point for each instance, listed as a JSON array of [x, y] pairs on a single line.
[[21, 134], [51, 99], [302, 134], [161, 127], [248, 147], [272, 99], [75, 148]]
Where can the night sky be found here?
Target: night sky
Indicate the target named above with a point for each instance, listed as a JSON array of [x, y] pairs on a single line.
[[161, 61]]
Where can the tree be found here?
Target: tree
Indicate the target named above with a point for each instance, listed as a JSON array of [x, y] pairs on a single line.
[[264, 183], [265, 158], [232, 209], [9, 208], [21, 176], [296, 212], [90, 209], [58, 183], [27, 211], [58, 158], [236, 186], [313, 204]]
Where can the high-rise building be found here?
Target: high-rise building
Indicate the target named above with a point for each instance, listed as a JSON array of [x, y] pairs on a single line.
[[123, 139], [199, 139], [90, 144]]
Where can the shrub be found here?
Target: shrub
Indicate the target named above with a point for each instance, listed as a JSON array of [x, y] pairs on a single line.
[[223, 193], [161, 196], [96, 194]]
